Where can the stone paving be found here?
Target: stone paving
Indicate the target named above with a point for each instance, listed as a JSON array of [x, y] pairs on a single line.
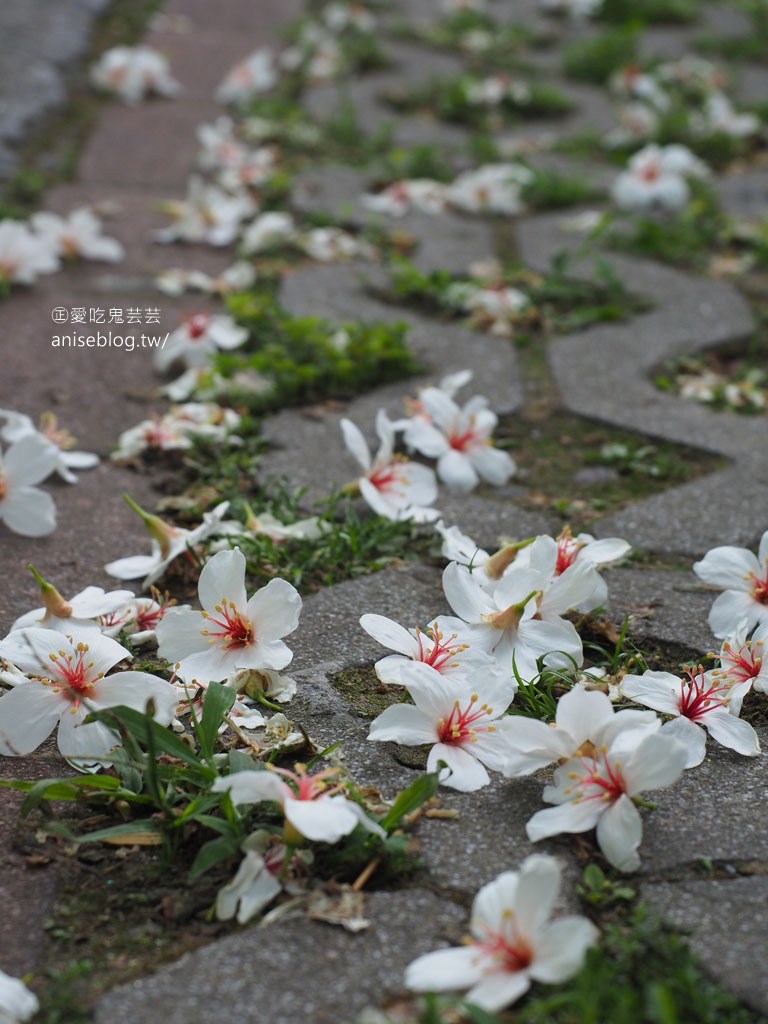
[[38, 42], [299, 971]]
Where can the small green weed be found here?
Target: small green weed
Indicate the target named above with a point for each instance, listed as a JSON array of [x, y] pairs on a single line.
[[643, 971], [595, 60], [305, 359], [463, 100], [651, 12], [553, 190], [686, 238]]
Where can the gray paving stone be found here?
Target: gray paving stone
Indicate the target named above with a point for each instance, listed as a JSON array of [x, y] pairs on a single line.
[[39, 41], [662, 605], [410, 63], [487, 838], [727, 507], [710, 814], [745, 195], [690, 315], [728, 922], [197, 987]]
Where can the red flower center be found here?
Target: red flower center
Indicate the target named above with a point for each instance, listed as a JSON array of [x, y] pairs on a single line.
[[600, 781], [759, 588], [567, 550], [73, 672], [388, 476], [459, 727], [697, 697], [233, 629], [742, 664], [197, 325], [439, 654], [509, 948]]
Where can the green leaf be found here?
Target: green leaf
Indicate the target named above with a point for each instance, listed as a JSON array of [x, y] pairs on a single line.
[[239, 761], [58, 789], [141, 727], [478, 1015], [213, 852], [217, 702], [594, 878], [413, 796], [128, 828]]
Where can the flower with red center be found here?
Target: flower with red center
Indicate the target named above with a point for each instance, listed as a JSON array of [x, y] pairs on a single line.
[[743, 661], [133, 73], [254, 74], [466, 727], [513, 941], [459, 437], [66, 681], [392, 486], [584, 721], [703, 700], [231, 632], [655, 177], [743, 577], [602, 790], [448, 652], [197, 339], [520, 615], [315, 807]]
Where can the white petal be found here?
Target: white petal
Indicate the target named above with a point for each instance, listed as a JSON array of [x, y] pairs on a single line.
[[619, 833], [223, 578], [568, 817], [30, 460], [727, 567], [661, 691], [456, 471], [390, 634], [356, 443], [691, 735], [86, 743], [538, 886], [403, 723], [731, 608], [732, 732], [28, 715], [582, 712], [252, 787], [467, 774], [658, 761], [605, 551], [324, 820], [494, 465], [465, 595], [135, 689], [561, 949], [28, 511], [445, 970], [275, 611], [179, 634], [131, 568], [495, 991]]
